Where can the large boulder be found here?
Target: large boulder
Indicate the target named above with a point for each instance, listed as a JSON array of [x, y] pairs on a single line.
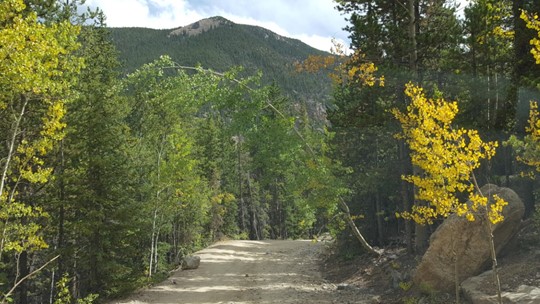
[[191, 262], [463, 245]]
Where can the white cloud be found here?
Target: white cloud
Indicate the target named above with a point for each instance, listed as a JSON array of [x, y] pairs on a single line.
[[322, 42], [158, 14]]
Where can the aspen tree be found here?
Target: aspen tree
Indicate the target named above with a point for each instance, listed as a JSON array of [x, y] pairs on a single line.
[[447, 157], [38, 69], [533, 22]]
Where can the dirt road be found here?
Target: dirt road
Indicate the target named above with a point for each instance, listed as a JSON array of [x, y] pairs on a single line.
[[251, 272]]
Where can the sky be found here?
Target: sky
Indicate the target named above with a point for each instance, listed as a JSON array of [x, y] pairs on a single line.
[[315, 22]]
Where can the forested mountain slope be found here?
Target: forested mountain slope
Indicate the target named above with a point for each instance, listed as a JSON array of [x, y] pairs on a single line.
[[220, 44]]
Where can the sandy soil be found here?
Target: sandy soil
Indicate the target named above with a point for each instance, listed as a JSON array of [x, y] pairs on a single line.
[[253, 272]]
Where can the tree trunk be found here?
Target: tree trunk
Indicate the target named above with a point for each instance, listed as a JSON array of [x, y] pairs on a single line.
[[12, 149], [52, 287], [23, 272], [412, 7], [151, 259], [75, 292], [61, 212], [405, 164], [421, 237], [254, 230], [379, 212], [175, 242], [156, 251], [413, 55], [242, 211]]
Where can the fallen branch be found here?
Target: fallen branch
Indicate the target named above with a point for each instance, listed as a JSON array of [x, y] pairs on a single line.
[[355, 230]]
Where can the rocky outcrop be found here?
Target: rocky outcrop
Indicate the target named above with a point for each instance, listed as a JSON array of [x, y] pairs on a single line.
[[200, 26], [191, 262], [472, 287], [463, 245]]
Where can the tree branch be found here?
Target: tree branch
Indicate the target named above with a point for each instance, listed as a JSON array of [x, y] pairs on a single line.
[[6, 296], [181, 67]]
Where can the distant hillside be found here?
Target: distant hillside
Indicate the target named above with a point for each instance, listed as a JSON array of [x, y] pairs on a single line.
[[220, 44]]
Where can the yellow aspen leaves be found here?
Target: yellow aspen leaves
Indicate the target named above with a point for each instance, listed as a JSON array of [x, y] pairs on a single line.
[[528, 149], [495, 210], [496, 12], [344, 69], [533, 22], [38, 68], [446, 157], [531, 155]]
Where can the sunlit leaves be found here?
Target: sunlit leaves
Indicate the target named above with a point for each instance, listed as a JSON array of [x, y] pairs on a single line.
[[34, 56], [447, 157], [37, 71], [528, 149], [533, 22], [19, 237], [492, 22], [343, 69]]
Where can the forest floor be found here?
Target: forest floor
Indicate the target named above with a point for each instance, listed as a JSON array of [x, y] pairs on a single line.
[[306, 272], [519, 264]]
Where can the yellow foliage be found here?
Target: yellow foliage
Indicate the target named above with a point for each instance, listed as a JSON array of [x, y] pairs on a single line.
[[38, 68], [495, 30], [446, 156], [315, 63], [529, 148], [343, 68], [495, 211], [533, 22]]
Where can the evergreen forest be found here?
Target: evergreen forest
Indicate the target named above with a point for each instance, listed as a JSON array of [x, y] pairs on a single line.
[[111, 173]]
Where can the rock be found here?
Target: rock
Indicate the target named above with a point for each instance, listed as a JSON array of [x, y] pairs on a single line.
[[471, 289], [191, 262], [523, 295], [459, 238], [342, 286]]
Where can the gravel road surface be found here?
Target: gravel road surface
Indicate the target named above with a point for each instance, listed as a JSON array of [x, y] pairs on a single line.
[[252, 272]]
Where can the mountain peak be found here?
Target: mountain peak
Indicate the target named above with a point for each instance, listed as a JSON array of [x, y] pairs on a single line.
[[201, 26]]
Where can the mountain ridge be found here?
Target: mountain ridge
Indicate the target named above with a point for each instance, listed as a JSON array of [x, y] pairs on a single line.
[[221, 44]]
